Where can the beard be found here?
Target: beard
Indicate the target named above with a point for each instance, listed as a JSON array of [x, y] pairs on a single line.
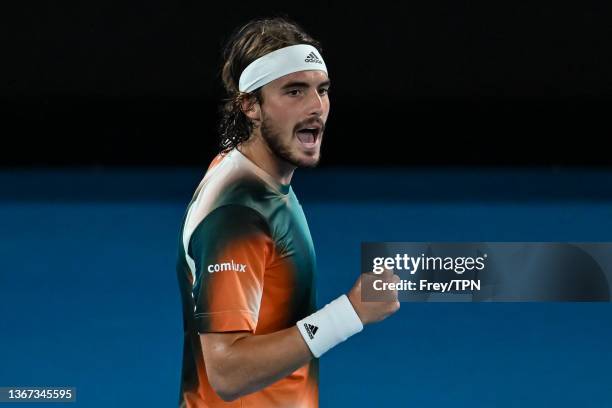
[[273, 139]]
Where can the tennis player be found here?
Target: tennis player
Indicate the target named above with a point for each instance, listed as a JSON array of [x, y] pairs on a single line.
[[246, 264]]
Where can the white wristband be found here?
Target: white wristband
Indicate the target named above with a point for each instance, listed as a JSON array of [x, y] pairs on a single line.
[[327, 327]]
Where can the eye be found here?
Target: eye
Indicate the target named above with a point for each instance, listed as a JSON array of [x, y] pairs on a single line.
[[324, 91], [294, 92]]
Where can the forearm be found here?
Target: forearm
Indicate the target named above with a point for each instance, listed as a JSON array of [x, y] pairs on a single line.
[[251, 363], [241, 363]]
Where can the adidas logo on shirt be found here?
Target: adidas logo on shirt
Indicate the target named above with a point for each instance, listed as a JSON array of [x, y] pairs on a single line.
[[312, 57], [227, 266], [311, 329]]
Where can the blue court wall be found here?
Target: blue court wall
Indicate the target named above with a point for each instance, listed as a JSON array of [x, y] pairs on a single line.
[[88, 293]]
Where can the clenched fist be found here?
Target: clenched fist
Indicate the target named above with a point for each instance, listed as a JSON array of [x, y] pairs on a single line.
[[371, 312]]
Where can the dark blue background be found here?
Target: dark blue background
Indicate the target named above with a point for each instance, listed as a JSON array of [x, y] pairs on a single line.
[[88, 292]]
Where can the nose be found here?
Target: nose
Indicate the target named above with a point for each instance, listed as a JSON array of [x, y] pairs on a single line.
[[315, 104]]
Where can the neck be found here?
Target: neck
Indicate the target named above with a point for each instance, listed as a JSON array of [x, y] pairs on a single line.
[[257, 150]]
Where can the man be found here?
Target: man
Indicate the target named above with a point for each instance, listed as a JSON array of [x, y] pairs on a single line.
[[246, 263]]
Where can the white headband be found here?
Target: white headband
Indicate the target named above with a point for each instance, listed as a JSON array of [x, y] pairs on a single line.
[[301, 57]]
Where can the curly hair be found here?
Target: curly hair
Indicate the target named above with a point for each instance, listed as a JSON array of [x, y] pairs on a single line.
[[250, 42]]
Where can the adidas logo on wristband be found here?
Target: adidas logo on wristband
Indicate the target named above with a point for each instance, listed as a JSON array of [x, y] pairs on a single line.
[[340, 321], [311, 330], [312, 57]]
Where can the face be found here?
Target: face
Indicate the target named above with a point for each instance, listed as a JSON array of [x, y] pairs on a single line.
[[293, 116]]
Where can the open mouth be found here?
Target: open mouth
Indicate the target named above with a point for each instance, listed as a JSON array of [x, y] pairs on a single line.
[[309, 136]]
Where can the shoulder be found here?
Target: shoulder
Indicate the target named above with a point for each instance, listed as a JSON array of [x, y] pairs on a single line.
[[233, 219]]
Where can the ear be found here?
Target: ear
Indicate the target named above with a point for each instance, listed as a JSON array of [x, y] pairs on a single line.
[[251, 108]]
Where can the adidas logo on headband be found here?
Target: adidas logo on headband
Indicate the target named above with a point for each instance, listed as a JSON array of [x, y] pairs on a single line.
[[312, 57]]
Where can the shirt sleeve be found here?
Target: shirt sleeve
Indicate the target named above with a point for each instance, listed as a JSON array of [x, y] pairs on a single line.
[[231, 248]]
